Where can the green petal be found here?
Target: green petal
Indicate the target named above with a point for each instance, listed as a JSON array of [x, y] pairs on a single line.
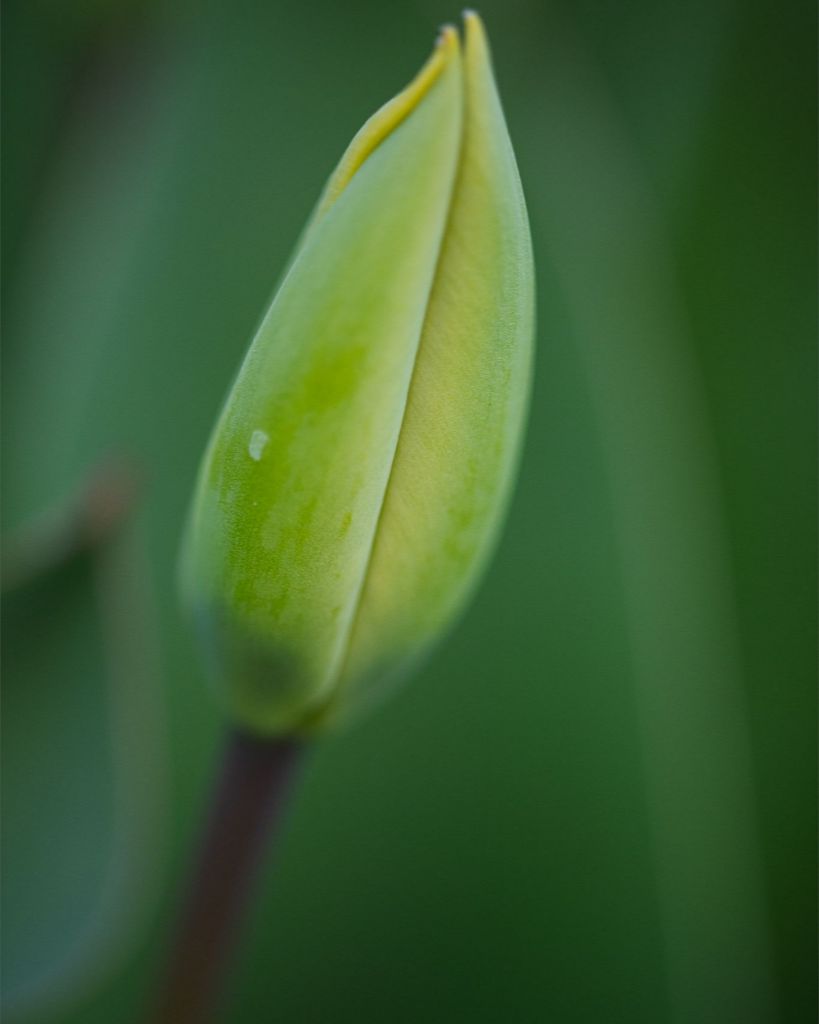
[[293, 482]]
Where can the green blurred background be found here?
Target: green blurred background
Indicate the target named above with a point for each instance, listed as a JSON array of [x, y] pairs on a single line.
[[597, 802]]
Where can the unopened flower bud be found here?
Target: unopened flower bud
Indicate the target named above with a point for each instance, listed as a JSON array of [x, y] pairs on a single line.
[[358, 474]]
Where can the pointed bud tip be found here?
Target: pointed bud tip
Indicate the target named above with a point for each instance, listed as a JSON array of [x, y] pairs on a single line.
[[473, 25], [447, 40], [476, 42]]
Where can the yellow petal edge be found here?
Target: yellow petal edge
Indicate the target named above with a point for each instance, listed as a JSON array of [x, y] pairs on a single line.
[[384, 121]]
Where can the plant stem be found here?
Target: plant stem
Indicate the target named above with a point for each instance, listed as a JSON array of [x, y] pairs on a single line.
[[249, 797]]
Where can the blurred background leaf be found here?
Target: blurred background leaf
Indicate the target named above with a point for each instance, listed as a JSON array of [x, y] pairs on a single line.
[[597, 801]]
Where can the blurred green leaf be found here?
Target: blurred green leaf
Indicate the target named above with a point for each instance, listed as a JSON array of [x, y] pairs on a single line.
[[83, 761]]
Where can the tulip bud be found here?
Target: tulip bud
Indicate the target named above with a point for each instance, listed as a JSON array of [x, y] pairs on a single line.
[[357, 476]]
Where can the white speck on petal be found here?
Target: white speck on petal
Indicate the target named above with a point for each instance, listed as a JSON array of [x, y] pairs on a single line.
[[258, 440]]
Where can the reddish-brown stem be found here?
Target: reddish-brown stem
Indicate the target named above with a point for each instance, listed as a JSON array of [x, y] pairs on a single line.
[[249, 797]]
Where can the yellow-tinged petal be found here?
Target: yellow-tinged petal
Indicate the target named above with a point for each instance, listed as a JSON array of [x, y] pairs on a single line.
[[457, 453]]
